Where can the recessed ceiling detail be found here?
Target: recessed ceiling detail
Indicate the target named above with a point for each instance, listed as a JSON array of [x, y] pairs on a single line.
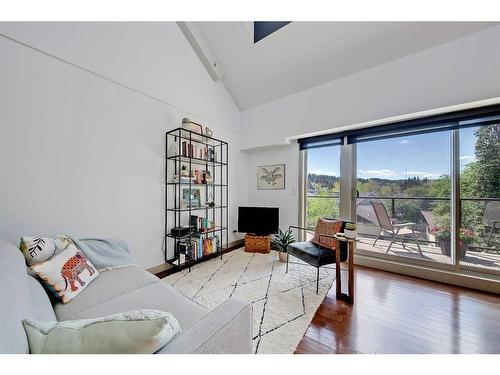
[[261, 29]]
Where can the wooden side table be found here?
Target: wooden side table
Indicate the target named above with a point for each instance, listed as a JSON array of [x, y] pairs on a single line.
[[350, 250]]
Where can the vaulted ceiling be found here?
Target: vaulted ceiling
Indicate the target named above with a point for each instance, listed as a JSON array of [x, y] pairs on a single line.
[[302, 55]]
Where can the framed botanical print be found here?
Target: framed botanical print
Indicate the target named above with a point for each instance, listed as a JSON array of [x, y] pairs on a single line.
[[271, 177]]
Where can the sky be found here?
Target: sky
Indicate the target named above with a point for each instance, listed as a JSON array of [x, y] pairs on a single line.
[[424, 156]]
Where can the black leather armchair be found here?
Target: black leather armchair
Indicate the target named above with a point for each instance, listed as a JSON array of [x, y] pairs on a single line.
[[317, 255]]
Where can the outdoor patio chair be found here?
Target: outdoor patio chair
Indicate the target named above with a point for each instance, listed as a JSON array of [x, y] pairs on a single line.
[[492, 218], [395, 230]]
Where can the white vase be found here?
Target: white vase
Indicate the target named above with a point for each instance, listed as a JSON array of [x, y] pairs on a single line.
[[282, 256], [350, 233]]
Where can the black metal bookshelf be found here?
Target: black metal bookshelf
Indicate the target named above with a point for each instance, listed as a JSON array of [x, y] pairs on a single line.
[[188, 148]]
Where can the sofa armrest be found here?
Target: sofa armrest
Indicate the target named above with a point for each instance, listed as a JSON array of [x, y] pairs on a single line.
[[227, 329]]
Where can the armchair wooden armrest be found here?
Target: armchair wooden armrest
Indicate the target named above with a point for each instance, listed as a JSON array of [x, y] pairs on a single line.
[[301, 228]]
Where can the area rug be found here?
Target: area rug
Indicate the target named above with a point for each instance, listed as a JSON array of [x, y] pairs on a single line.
[[283, 304]]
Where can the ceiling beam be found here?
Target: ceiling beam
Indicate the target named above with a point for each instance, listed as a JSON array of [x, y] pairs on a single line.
[[201, 48]]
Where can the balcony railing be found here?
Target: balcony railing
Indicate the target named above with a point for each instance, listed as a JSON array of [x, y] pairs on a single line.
[[405, 209]]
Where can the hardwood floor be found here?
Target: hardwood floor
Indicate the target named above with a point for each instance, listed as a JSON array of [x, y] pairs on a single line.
[[401, 314]]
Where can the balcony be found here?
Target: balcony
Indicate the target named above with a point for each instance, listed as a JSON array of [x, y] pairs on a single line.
[[483, 251]]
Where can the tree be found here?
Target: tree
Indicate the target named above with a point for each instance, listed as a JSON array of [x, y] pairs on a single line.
[[481, 178], [484, 173]]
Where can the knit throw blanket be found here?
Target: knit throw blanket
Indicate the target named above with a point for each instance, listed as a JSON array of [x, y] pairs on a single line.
[[105, 254]]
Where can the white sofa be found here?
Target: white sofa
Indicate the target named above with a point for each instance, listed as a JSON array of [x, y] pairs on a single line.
[[227, 329]]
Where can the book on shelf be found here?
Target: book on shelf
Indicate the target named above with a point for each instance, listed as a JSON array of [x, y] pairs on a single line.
[[201, 224], [192, 150], [195, 177], [196, 247]]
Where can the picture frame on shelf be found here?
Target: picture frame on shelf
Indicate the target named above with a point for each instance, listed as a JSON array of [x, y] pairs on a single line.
[[191, 197]]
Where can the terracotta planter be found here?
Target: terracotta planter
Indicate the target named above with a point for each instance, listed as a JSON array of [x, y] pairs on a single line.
[[445, 246], [282, 256]]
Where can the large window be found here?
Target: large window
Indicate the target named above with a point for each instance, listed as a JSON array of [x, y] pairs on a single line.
[[404, 192], [322, 184], [428, 188], [480, 198]]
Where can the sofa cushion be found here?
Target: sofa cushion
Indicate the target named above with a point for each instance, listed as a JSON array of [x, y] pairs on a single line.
[[41, 308], [21, 296], [109, 285], [157, 296], [14, 294]]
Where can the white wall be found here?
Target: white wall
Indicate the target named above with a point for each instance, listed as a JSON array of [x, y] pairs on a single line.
[[460, 71], [83, 155], [287, 200]]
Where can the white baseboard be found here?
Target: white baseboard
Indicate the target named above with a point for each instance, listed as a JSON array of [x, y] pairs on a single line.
[[488, 284]]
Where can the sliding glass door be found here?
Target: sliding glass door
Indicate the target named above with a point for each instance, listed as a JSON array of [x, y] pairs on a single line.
[[425, 191], [404, 190]]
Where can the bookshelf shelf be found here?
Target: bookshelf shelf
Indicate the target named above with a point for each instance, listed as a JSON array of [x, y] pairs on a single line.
[[186, 152], [196, 234], [192, 184], [194, 208], [193, 160]]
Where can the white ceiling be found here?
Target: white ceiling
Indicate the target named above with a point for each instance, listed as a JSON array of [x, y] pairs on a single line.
[[306, 54]]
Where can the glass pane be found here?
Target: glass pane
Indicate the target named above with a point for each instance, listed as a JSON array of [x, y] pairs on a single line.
[[323, 184], [404, 185], [480, 198]]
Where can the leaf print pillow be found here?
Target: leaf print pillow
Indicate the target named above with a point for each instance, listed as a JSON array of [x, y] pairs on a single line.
[[39, 249]]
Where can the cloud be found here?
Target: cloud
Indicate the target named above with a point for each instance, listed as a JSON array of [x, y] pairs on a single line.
[[467, 157], [381, 173], [404, 142], [325, 173], [423, 174]]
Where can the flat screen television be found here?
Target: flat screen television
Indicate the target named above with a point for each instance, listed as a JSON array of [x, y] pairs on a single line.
[[258, 220]]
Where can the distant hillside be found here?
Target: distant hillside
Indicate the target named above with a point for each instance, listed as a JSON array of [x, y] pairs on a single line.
[[327, 181], [323, 180], [415, 186]]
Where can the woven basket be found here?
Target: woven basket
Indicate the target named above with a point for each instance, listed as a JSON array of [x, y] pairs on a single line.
[[257, 244]]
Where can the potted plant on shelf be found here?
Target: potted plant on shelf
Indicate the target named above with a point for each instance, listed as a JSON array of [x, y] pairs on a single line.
[[350, 230], [280, 242], [443, 236]]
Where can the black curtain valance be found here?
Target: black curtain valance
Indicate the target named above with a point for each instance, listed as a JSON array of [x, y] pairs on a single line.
[[321, 141], [446, 121]]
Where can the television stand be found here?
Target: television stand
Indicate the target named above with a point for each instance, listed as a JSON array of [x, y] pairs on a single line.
[[257, 244]]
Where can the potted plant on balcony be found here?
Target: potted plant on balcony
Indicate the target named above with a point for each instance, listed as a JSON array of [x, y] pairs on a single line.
[[350, 230], [280, 242], [443, 235]]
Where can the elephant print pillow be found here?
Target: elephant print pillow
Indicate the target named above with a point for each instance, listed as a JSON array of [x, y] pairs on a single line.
[[66, 273]]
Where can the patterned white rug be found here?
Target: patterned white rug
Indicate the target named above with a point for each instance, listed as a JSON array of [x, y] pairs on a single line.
[[283, 304]]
